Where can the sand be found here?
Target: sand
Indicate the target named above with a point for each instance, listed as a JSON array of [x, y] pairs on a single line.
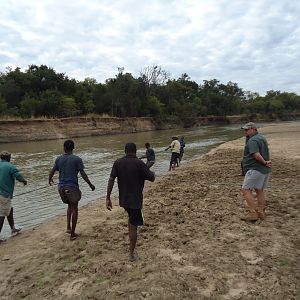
[[193, 245]]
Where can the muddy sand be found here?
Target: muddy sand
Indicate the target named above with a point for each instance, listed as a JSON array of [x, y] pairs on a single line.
[[193, 244]]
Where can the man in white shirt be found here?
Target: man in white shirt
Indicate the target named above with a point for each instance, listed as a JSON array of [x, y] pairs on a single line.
[[175, 148]]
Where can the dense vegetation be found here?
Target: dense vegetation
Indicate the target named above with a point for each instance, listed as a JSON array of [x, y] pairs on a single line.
[[41, 91]]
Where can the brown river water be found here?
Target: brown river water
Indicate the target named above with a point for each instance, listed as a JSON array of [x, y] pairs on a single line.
[[38, 202]]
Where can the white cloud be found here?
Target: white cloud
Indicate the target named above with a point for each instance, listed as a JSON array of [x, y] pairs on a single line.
[[253, 43]]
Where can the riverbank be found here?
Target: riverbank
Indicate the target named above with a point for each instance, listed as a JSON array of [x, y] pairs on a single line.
[[51, 129], [21, 130], [193, 245]]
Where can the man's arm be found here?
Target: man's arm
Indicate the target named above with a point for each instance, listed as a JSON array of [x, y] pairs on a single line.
[[168, 147], [86, 179], [22, 179], [147, 174], [16, 174], [51, 173], [110, 186], [260, 159]]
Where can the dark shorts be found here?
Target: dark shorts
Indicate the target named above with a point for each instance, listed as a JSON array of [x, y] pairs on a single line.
[[69, 195], [174, 157], [135, 216]]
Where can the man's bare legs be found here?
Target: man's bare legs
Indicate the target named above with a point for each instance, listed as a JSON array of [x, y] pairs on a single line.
[[132, 233], [72, 217], [252, 216], [1, 222], [11, 222], [69, 219], [261, 203], [10, 219]]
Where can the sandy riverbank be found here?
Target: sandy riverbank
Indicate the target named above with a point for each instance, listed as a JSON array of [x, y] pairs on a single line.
[[193, 245]]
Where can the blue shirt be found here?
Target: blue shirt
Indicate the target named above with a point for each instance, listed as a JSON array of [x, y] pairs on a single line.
[[8, 174], [68, 166]]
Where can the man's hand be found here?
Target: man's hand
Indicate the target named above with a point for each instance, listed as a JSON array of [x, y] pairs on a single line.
[[269, 163], [108, 204], [92, 186], [25, 182], [51, 181]]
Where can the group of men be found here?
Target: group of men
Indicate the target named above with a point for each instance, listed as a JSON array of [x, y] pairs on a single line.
[[131, 173]]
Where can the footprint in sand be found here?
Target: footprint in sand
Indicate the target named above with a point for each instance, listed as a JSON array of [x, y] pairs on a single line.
[[251, 257], [73, 287]]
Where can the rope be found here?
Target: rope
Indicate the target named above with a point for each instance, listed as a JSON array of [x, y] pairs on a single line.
[[47, 186], [108, 168], [40, 188]]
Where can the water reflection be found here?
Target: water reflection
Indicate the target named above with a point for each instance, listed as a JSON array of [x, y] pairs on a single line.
[[38, 202]]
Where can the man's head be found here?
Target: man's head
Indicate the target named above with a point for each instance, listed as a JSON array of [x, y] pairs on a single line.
[[147, 145], [249, 128], [130, 148], [5, 155], [174, 137], [69, 146]]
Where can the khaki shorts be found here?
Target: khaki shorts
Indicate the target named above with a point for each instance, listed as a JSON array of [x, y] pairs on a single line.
[[5, 206], [255, 180], [69, 195]]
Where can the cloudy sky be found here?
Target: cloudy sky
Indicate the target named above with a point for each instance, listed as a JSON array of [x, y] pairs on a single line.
[[253, 43]]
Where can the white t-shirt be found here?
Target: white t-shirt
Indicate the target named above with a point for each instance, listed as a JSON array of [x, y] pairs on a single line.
[[175, 146]]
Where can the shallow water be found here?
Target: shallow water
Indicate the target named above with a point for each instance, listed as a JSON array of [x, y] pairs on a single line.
[[37, 202]]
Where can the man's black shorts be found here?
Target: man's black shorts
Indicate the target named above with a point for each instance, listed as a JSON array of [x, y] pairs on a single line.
[[174, 157], [70, 195], [135, 216]]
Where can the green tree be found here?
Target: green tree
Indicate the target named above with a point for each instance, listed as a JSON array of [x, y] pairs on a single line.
[[68, 107], [3, 106], [30, 107]]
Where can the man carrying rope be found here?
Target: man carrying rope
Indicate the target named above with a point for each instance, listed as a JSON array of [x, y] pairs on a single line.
[[69, 165], [150, 155], [175, 149], [8, 174]]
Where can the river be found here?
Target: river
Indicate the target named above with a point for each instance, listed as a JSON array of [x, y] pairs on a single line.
[[38, 202]]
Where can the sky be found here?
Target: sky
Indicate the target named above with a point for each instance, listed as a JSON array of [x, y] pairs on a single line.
[[255, 44]]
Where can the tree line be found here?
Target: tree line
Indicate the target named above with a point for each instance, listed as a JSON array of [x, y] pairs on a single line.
[[41, 91]]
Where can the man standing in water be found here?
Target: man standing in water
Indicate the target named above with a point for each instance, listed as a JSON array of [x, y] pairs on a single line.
[[69, 165], [182, 146], [175, 148], [8, 174], [150, 155], [257, 166], [131, 173]]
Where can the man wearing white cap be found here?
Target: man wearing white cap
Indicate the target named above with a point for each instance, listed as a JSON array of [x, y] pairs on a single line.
[[257, 166], [175, 148], [8, 174]]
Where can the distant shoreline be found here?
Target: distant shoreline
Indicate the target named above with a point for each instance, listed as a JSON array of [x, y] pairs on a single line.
[[20, 130]]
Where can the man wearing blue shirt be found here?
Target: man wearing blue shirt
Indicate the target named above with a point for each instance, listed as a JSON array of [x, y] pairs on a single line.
[[69, 165], [150, 155], [8, 174]]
